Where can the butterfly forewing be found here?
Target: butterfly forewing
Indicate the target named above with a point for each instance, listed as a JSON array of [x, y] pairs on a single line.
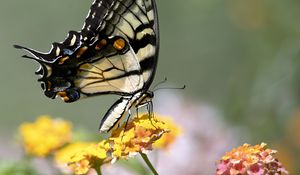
[[94, 19]]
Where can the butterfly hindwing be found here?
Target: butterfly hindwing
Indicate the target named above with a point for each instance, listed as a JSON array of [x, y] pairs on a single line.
[[113, 72]]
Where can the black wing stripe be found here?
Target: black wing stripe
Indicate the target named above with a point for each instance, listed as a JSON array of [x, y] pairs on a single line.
[[143, 42], [147, 63], [143, 27]]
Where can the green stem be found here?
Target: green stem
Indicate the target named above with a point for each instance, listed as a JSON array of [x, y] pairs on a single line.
[[147, 161], [98, 170]]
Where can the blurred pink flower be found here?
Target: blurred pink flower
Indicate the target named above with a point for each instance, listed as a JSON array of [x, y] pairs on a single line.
[[205, 136]]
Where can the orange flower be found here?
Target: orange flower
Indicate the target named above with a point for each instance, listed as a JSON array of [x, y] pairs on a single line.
[[141, 134]]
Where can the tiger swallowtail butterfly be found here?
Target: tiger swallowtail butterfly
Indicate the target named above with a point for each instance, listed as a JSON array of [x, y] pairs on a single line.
[[116, 52]]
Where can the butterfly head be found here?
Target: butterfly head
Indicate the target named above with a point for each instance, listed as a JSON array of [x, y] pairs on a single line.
[[56, 74]]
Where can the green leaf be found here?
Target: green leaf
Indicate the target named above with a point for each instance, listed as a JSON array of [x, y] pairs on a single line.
[[16, 168]]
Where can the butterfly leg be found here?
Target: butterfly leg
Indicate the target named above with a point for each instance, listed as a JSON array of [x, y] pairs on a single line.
[[126, 123], [137, 112], [151, 114], [149, 106], [127, 120]]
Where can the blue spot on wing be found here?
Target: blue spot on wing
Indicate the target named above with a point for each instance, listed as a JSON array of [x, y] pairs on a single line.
[[68, 52]]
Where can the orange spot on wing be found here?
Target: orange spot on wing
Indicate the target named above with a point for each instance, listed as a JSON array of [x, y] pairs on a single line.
[[81, 51], [62, 60], [49, 85], [101, 44], [119, 44], [66, 99], [62, 94]]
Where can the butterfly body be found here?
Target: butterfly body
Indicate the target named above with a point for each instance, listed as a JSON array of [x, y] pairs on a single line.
[[122, 105], [116, 52]]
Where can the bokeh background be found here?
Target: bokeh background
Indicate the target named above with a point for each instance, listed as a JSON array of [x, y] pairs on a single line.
[[239, 61]]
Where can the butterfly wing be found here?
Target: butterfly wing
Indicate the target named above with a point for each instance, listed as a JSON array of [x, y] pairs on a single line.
[[110, 72], [137, 22], [134, 20]]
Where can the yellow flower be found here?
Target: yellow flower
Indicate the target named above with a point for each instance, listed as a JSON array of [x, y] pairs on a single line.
[[80, 158], [252, 160], [140, 135], [63, 155], [45, 135]]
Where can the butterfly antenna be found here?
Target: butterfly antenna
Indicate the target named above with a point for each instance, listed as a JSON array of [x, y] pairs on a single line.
[[161, 82], [175, 88]]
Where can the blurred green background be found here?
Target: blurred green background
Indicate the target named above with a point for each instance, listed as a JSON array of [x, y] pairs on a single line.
[[239, 56]]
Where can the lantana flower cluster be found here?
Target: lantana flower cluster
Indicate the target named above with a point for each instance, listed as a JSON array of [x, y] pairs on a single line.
[[81, 157], [250, 160], [45, 135], [138, 135]]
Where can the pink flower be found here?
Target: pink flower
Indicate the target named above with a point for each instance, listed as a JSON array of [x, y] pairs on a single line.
[[250, 160]]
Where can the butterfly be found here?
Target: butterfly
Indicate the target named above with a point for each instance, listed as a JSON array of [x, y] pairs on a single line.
[[115, 52]]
